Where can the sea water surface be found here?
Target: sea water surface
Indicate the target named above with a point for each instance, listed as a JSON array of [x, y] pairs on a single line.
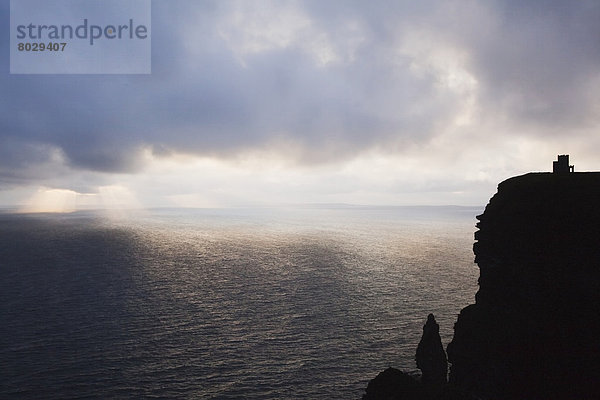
[[286, 303]]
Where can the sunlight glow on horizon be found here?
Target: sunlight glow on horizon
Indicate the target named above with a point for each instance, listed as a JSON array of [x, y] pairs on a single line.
[[51, 201], [47, 200]]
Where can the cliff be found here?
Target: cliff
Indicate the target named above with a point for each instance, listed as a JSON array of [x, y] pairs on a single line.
[[534, 329]]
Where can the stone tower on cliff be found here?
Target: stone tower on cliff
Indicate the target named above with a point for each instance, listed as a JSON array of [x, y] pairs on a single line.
[[562, 165]]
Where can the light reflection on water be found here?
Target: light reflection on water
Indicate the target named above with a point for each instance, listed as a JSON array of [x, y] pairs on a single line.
[[284, 303]]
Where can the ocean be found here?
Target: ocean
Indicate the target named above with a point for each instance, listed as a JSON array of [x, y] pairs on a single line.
[[281, 303]]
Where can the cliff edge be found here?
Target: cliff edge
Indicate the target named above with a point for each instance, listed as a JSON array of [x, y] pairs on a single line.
[[534, 330]]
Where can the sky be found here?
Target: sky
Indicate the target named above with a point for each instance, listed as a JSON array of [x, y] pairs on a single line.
[[258, 103]]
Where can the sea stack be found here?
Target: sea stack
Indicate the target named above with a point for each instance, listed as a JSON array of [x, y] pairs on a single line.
[[534, 330], [431, 357]]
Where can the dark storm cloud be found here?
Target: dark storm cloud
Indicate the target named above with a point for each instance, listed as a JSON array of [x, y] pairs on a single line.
[[532, 62]]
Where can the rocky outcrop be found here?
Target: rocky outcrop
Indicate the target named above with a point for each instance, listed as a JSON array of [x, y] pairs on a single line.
[[393, 384], [533, 332]]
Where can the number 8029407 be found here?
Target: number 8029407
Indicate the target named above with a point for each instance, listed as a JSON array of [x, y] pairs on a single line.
[[41, 46]]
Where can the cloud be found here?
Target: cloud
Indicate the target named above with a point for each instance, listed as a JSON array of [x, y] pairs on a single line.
[[536, 62], [315, 83]]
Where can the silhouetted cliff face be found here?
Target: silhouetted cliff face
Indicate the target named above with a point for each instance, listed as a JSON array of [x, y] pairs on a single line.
[[534, 331]]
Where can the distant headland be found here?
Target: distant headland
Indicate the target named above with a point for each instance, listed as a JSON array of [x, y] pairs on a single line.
[[534, 330]]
